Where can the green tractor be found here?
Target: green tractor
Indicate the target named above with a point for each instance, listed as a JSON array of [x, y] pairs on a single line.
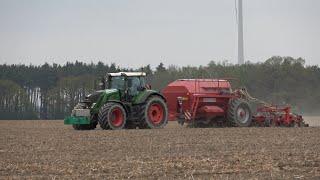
[[125, 102]]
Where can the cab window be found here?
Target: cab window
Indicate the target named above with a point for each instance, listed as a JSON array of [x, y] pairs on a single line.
[[133, 84], [117, 82]]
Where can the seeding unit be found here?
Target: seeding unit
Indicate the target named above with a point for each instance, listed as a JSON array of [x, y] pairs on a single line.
[[208, 102]]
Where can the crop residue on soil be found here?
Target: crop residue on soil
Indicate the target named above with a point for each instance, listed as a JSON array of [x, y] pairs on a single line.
[[49, 149]]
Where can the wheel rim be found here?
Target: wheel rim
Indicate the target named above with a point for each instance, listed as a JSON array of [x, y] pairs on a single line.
[[117, 117], [156, 113], [243, 114]]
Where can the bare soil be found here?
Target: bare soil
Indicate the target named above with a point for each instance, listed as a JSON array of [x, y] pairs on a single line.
[[49, 149]]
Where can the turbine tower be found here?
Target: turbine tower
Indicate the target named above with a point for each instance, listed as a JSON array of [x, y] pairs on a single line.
[[240, 34]]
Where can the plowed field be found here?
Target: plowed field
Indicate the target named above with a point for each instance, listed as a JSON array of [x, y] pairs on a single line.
[[49, 149]]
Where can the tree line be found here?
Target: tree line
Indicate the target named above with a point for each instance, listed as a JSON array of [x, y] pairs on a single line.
[[50, 91]]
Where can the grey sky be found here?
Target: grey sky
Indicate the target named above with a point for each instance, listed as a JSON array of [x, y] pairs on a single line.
[[132, 33]]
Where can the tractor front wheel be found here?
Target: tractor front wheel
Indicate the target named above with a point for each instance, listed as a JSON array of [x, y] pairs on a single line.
[[155, 113], [85, 126], [112, 116]]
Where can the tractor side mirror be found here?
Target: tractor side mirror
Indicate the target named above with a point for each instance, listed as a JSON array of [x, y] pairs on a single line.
[[148, 86], [102, 84], [141, 88]]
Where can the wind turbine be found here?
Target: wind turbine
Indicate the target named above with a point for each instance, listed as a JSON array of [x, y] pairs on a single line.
[[240, 33]]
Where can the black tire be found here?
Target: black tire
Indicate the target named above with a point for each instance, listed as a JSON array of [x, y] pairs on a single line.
[[301, 124], [106, 116], [162, 120], [130, 125], [85, 126], [143, 124], [235, 113]]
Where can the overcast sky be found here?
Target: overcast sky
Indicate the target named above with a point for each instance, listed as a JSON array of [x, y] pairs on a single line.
[[133, 33]]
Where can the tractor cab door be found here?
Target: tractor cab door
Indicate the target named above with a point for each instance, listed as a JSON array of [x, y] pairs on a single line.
[[136, 84], [118, 82]]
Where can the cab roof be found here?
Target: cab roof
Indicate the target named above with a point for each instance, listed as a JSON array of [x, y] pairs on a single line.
[[127, 74]]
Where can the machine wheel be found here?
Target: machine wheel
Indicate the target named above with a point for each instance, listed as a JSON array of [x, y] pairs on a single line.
[[112, 116], [301, 124], [154, 113], [239, 113]]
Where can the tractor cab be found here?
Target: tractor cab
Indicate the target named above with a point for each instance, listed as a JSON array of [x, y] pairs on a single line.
[[129, 84]]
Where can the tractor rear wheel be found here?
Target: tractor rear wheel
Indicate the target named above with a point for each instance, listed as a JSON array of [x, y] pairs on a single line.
[[239, 113], [112, 116], [154, 113]]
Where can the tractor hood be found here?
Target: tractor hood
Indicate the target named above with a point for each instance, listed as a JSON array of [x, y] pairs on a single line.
[[96, 95]]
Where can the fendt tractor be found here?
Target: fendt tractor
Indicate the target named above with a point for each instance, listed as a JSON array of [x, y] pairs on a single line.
[[125, 101]]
